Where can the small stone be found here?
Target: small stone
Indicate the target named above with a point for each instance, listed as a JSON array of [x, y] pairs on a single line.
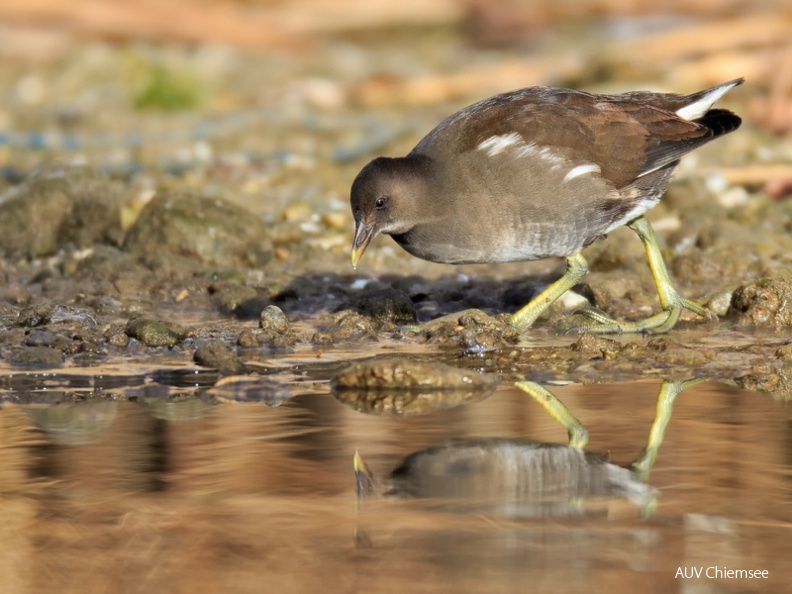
[[154, 333], [117, 337], [720, 302], [36, 315], [248, 338], [597, 346], [41, 338], [38, 356], [385, 306], [350, 325], [475, 330], [275, 329], [218, 355], [273, 319], [404, 387]]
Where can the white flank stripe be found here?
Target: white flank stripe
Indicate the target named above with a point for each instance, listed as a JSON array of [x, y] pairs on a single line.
[[581, 170], [495, 145]]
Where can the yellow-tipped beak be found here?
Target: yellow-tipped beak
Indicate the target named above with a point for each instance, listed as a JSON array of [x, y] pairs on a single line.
[[363, 235], [365, 480]]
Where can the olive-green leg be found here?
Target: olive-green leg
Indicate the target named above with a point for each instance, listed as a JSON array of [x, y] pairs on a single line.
[[665, 406], [671, 301], [578, 434], [576, 268]]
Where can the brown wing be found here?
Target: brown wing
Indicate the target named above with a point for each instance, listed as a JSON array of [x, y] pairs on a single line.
[[624, 137]]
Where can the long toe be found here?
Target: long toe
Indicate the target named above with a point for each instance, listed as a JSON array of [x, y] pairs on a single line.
[[601, 323]]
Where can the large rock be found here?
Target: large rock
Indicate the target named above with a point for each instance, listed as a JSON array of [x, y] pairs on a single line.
[[57, 207], [766, 302], [209, 230]]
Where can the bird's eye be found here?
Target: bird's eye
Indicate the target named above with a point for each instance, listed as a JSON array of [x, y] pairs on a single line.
[[380, 202]]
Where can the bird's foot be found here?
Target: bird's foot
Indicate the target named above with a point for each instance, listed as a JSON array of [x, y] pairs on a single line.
[[600, 323]]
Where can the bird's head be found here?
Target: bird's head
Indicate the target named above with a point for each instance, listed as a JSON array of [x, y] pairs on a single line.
[[384, 197]]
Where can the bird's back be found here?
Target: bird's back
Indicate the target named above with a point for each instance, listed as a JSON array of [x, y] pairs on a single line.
[[544, 172]]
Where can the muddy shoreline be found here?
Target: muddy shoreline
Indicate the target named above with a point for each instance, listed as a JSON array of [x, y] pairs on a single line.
[[230, 250]]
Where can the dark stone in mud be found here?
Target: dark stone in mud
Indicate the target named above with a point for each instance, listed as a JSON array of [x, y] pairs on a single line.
[[13, 337], [473, 329], [36, 315], [385, 306], [41, 338], [403, 387], [239, 300], [767, 302], [407, 374], [38, 356], [59, 206], [155, 333], [275, 329], [347, 325], [209, 230], [248, 338], [218, 355], [597, 346]]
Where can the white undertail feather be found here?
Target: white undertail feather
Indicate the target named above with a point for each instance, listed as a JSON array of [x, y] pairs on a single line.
[[582, 170], [698, 108]]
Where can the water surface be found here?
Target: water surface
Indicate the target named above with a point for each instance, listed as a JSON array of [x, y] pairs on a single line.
[[155, 486]]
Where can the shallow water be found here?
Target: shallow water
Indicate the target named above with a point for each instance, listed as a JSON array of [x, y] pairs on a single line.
[[150, 484]]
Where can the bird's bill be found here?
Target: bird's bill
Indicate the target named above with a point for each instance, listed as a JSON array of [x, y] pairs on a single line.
[[363, 235], [364, 477]]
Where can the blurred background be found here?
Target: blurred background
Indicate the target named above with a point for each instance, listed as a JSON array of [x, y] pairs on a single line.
[[276, 102]]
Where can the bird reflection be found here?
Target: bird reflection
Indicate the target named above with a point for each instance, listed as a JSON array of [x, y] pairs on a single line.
[[521, 478], [515, 478]]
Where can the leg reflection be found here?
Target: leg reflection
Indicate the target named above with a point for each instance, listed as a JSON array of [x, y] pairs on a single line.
[[669, 390], [578, 434]]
